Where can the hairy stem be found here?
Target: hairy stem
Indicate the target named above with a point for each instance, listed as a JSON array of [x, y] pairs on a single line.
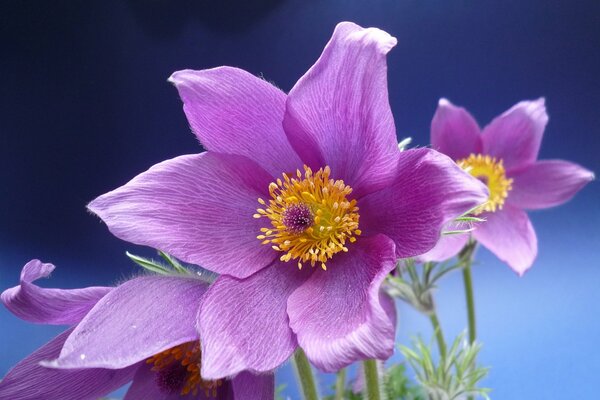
[[340, 384], [373, 388], [305, 376], [466, 259], [439, 335]]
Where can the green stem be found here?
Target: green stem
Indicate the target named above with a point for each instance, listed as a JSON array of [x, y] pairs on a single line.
[[340, 384], [305, 375], [373, 389], [439, 335], [466, 259]]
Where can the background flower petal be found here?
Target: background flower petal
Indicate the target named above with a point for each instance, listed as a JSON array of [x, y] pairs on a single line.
[[49, 306], [337, 314], [338, 113], [29, 381], [508, 234], [138, 319], [454, 131], [244, 324], [448, 245], [429, 190], [547, 183], [248, 386], [516, 136], [195, 207], [234, 112]]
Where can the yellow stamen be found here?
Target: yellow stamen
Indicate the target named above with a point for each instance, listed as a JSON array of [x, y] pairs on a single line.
[[491, 172], [312, 217], [187, 357]]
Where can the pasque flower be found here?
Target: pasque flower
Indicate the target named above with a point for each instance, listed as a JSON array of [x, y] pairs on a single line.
[[141, 331], [504, 156], [302, 204]]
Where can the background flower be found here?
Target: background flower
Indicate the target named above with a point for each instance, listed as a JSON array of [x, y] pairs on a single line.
[[504, 156]]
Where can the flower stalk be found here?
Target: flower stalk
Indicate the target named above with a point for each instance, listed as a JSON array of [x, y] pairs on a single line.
[[340, 384], [439, 335], [373, 387], [305, 376], [466, 260]]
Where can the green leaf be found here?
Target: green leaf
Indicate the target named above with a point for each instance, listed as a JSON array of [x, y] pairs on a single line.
[[149, 264]]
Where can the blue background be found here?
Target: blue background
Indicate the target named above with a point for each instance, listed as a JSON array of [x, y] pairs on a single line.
[[85, 106]]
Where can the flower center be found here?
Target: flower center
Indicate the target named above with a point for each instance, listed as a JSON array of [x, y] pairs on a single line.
[[178, 371], [311, 217], [491, 172]]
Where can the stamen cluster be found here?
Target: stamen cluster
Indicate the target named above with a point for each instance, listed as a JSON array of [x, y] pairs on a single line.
[[490, 171], [178, 371], [311, 217]]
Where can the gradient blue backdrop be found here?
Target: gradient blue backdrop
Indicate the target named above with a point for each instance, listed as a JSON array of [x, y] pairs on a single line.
[[85, 106]]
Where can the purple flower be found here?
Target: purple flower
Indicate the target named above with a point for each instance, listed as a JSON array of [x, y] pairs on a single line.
[[141, 331], [302, 204], [504, 156]]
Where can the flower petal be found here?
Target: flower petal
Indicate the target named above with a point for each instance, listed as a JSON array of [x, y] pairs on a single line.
[[449, 245], [138, 319], [49, 306], [429, 190], [244, 324], [338, 113], [454, 131], [516, 136], [232, 111], [547, 183], [508, 234], [196, 207], [29, 381], [337, 314], [247, 386]]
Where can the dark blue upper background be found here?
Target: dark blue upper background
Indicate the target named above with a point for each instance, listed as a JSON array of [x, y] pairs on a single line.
[[85, 105]]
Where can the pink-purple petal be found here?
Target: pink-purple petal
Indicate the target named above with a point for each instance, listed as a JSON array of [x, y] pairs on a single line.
[[508, 234], [234, 112], [248, 386], [516, 136], [337, 314], [196, 207], [28, 380], [244, 324], [49, 306], [338, 113], [448, 245], [138, 319], [547, 183], [429, 189], [454, 131]]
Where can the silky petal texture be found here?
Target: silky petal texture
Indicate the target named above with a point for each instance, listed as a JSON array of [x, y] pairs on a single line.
[[337, 314], [508, 234], [138, 319], [247, 386], [338, 113], [454, 131], [547, 183], [516, 136], [197, 208], [232, 111], [49, 306], [429, 190], [29, 381], [244, 324]]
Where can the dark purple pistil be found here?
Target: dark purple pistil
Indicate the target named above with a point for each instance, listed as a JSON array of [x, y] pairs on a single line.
[[297, 218], [172, 379]]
